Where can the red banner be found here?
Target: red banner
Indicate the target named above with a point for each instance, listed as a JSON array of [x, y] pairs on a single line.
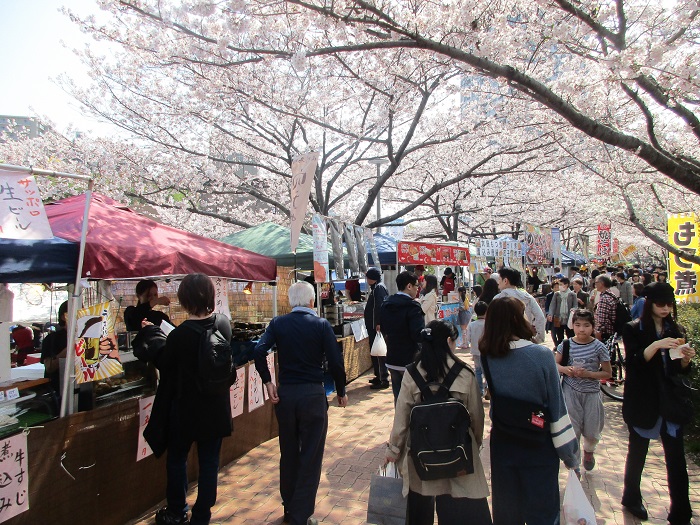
[[604, 243], [433, 254]]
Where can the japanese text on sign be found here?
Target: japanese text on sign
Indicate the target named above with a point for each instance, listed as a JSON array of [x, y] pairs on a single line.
[[14, 479], [684, 275], [604, 241], [423, 253], [22, 214]]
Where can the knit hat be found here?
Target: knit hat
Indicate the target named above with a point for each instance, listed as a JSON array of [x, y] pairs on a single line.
[[659, 293], [374, 274]]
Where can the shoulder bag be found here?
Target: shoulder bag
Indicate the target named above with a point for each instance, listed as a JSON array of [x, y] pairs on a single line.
[[522, 421]]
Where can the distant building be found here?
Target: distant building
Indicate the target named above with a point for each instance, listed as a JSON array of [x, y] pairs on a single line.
[[18, 128]]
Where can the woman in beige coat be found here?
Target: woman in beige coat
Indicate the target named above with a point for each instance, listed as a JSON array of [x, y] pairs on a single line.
[[455, 498]]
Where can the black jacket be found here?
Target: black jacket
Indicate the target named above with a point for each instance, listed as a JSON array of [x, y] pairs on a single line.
[[640, 406], [373, 309], [402, 322], [133, 315]]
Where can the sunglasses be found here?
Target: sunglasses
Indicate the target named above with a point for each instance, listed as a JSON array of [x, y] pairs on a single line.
[[661, 304]]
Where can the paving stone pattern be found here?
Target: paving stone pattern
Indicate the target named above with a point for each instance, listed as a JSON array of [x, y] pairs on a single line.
[[249, 488]]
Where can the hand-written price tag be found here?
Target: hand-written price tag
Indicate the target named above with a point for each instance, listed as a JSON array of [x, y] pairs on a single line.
[[2, 395], [12, 393], [14, 488]]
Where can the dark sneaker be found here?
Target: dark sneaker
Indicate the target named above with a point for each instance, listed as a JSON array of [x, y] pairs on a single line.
[[375, 380], [588, 460], [164, 517], [312, 521], [380, 386]]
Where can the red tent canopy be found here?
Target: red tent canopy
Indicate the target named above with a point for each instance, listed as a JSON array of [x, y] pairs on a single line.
[[121, 244]]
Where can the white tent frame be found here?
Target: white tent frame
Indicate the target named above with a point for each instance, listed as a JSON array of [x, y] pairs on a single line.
[[67, 397]]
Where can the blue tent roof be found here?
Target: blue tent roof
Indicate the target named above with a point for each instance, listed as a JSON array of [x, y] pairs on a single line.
[[38, 261], [386, 249], [571, 258]]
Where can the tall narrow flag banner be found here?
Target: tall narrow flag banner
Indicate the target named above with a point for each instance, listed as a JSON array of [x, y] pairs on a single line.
[[303, 170], [683, 231], [604, 241], [318, 224]]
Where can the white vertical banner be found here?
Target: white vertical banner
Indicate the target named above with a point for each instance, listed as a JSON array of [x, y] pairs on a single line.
[[221, 296], [318, 225], [14, 488], [369, 240], [255, 389], [237, 393], [273, 375], [22, 214], [556, 246], [303, 171], [145, 408]]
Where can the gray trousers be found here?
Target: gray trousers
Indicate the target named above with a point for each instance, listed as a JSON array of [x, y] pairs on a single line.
[[587, 417]]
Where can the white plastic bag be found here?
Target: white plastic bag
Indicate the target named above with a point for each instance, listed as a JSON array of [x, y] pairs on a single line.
[[570, 322], [577, 509], [378, 347]]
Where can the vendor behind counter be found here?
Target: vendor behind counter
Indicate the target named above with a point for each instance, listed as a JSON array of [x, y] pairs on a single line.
[[147, 294]]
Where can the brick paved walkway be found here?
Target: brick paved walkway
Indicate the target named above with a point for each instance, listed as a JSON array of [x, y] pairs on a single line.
[[249, 489]]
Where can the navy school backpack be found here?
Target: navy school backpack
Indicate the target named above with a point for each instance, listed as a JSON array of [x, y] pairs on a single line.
[[215, 368]]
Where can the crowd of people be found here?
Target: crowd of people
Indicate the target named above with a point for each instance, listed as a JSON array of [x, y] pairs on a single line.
[[544, 406]]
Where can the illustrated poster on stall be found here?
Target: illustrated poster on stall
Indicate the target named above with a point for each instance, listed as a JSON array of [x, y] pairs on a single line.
[[96, 350], [361, 248], [221, 297], [237, 393], [255, 389], [318, 225], [336, 228], [538, 245], [145, 408], [14, 467], [22, 214], [428, 253]]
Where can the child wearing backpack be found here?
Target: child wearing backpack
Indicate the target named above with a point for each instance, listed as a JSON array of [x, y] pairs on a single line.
[[461, 493], [583, 360], [474, 333]]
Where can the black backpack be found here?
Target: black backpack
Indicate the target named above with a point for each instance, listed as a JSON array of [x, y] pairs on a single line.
[[215, 368], [622, 316], [441, 446]]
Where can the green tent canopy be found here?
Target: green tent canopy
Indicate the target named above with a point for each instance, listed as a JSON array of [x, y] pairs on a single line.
[[273, 240]]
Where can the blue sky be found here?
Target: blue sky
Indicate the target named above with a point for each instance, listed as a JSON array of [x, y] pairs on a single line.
[[31, 32]]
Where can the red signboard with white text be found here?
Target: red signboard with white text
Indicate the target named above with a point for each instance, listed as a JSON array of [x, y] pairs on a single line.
[[433, 254]]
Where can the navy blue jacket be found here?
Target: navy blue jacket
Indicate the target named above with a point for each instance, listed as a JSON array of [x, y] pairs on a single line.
[[302, 340], [402, 322], [373, 308]]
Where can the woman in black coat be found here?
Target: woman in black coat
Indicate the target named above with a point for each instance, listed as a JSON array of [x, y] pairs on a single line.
[[649, 343]]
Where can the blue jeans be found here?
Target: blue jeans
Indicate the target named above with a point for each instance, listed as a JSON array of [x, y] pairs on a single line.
[[479, 373], [176, 465]]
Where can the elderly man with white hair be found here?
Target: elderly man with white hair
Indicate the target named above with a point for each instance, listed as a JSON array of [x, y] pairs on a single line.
[[302, 340]]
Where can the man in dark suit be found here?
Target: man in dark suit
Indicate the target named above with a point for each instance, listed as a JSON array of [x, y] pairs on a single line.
[[402, 322], [373, 317], [301, 406]]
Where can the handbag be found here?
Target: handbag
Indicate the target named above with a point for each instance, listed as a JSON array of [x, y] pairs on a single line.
[[517, 419], [675, 400], [378, 346], [556, 322], [576, 506], [386, 504]]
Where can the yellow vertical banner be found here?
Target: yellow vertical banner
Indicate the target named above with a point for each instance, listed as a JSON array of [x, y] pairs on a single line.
[[684, 276]]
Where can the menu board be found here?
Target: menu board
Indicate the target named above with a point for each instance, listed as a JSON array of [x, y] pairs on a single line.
[[433, 254]]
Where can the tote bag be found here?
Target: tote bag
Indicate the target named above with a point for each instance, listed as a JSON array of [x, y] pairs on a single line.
[[386, 504]]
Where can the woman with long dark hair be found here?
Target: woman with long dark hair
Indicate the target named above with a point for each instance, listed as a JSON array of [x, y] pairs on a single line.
[[489, 291], [524, 463], [429, 298], [655, 355], [455, 498]]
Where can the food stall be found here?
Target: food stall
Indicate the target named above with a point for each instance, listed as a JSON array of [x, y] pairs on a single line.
[[90, 463]]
